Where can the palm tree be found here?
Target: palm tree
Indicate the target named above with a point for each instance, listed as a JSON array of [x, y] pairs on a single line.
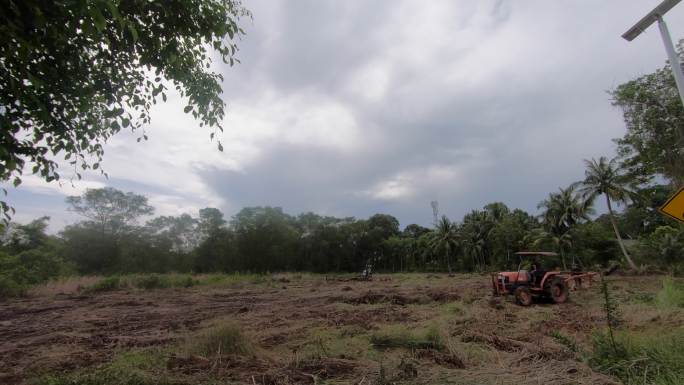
[[476, 231], [562, 211], [444, 240], [605, 177]]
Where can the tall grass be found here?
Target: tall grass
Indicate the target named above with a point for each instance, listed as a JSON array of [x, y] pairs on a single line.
[[671, 295], [106, 284], [141, 281], [639, 358]]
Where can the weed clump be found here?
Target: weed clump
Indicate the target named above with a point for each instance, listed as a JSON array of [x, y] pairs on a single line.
[[219, 340], [564, 340]]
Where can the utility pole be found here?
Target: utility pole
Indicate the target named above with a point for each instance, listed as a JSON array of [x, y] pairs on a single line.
[[435, 212]]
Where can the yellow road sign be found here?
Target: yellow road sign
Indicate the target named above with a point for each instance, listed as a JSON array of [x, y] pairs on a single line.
[[674, 207]]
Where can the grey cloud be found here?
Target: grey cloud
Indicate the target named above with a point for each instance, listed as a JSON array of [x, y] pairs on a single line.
[[507, 96]]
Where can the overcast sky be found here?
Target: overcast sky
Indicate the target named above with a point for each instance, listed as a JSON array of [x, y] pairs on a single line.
[[351, 108]]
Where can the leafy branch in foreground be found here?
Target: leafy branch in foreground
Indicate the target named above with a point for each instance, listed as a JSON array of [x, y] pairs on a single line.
[[73, 73]]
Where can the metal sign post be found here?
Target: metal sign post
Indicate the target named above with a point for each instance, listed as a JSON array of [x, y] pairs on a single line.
[[674, 207], [672, 55], [657, 15]]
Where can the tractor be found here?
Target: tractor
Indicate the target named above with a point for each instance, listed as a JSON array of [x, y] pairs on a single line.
[[538, 282]]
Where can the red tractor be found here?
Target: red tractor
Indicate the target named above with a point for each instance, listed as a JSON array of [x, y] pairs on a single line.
[[538, 282]]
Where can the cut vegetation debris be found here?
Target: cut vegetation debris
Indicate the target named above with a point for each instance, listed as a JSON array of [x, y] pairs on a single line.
[[305, 329]]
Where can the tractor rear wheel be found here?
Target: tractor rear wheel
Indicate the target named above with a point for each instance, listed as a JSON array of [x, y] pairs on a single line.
[[523, 296], [558, 290]]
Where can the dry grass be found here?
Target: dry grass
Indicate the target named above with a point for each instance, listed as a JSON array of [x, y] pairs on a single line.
[[306, 329], [68, 285]]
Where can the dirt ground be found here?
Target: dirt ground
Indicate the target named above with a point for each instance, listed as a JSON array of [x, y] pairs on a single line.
[[291, 318]]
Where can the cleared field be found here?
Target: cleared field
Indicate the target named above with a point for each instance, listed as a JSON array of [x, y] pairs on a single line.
[[291, 329]]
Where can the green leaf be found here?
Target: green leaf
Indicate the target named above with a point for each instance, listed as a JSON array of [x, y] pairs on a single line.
[[98, 19], [133, 32], [16, 182], [187, 109]]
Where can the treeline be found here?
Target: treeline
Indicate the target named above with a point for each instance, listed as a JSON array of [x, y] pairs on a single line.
[[648, 167], [110, 239]]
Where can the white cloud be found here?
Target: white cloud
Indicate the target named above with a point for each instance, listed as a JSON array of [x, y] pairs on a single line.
[[36, 184]]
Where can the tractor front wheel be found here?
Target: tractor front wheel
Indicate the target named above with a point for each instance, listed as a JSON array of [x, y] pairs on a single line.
[[558, 289], [523, 296]]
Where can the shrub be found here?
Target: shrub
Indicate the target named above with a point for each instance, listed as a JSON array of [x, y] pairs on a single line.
[[29, 267], [221, 339]]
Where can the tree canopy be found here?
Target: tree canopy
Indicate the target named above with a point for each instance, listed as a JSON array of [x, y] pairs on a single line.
[[654, 116], [73, 73]]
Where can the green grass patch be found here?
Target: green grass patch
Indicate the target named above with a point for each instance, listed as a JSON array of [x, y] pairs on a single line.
[[348, 342], [140, 367], [641, 358], [402, 337]]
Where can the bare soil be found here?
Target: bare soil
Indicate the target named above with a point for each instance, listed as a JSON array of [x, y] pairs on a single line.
[[491, 339]]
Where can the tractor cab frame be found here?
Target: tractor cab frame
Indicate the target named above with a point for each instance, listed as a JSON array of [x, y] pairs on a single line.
[[538, 282]]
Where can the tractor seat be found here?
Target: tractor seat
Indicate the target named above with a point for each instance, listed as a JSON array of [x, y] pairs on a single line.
[[523, 276]]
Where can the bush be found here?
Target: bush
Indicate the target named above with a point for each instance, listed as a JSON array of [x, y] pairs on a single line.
[[641, 358], [18, 272], [221, 339], [10, 288]]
